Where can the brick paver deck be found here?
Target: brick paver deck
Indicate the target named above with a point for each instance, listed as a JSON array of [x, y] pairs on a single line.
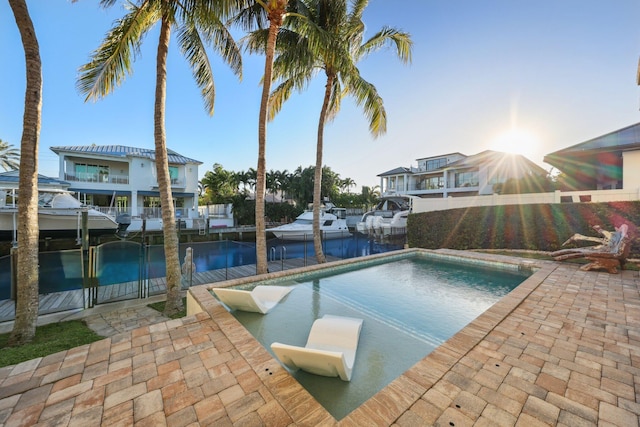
[[562, 349]]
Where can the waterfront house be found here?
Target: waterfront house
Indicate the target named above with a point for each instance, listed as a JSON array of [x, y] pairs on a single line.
[[608, 162], [457, 175], [123, 179], [602, 169]]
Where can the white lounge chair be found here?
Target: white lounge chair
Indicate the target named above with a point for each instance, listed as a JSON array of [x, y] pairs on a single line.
[[260, 300], [330, 350]]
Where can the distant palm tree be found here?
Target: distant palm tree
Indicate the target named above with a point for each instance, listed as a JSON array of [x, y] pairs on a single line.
[[220, 185], [330, 38], [347, 183], [9, 156], [198, 22], [24, 327], [252, 16]]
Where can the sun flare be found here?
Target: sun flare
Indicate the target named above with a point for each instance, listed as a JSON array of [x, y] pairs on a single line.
[[517, 141]]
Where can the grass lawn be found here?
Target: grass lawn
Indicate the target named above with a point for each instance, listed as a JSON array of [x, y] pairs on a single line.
[[159, 306], [56, 337], [49, 339]]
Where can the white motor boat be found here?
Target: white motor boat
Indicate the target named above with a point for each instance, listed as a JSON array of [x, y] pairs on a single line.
[[388, 217], [59, 214], [333, 225]]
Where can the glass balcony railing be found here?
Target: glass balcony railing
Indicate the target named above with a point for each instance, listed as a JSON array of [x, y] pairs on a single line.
[[97, 177]]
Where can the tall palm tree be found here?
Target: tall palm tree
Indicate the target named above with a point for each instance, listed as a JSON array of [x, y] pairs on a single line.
[[24, 328], [198, 22], [330, 39], [9, 156], [249, 18]]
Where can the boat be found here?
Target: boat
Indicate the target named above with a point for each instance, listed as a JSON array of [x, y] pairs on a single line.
[[387, 218], [333, 225], [59, 215]]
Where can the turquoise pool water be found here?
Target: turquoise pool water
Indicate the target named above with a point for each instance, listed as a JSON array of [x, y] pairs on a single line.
[[409, 307]]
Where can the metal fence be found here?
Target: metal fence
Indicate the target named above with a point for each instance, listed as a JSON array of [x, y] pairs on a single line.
[[122, 270]]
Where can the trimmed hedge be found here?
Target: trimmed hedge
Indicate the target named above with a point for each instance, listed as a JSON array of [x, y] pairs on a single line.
[[542, 227]]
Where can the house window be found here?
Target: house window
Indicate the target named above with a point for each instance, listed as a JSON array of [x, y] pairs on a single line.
[[434, 183], [436, 163], [91, 172], [151, 202], [467, 179], [496, 178], [173, 174]]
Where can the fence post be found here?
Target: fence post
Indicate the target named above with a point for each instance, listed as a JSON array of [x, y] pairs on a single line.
[[14, 272]]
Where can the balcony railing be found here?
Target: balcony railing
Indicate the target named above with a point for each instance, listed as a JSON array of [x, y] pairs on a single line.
[[97, 177]]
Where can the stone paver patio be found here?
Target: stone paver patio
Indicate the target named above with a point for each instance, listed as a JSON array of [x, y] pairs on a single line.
[[562, 349]]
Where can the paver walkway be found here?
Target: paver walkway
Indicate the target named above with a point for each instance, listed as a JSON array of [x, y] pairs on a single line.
[[562, 352]]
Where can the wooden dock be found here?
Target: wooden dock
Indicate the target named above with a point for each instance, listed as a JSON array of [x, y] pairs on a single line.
[[75, 299]]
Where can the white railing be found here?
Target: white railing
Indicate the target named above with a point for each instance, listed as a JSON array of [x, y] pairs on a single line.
[[216, 211], [440, 204], [96, 177], [148, 213]]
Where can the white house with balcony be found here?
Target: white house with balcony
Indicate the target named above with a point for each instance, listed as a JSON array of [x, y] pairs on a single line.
[[124, 179], [457, 175], [602, 169]]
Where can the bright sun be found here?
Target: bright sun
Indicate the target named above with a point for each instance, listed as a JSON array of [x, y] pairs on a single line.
[[517, 141]]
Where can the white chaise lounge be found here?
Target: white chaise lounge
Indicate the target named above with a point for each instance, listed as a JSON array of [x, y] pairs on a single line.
[[330, 350], [260, 300]]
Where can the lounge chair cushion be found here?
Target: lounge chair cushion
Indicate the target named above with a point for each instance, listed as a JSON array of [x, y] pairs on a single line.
[[330, 350], [259, 300]]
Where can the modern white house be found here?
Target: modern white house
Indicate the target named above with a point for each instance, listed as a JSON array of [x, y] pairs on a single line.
[[607, 162], [602, 169], [457, 175], [124, 179]]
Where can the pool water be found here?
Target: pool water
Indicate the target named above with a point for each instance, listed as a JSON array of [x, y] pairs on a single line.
[[409, 307]]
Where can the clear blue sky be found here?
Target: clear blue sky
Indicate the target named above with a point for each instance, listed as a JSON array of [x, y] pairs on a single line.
[[560, 71]]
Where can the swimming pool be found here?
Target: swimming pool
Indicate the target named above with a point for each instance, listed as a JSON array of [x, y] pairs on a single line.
[[409, 306]]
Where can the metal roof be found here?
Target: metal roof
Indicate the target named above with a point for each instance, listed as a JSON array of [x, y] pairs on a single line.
[[396, 171], [622, 139], [12, 177], [123, 151]]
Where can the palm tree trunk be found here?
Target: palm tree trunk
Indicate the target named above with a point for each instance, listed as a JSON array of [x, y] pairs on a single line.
[[275, 21], [174, 301], [317, 178], [24, 328]]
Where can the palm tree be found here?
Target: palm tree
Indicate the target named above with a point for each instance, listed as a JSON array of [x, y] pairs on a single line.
[[24, 328], [347, 183], [284, 181], [197, 22], [9, 156], [250, 17], [220, 184], [330, 38]]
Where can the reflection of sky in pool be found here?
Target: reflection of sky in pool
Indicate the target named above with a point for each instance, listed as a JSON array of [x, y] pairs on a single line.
[[409, 307]]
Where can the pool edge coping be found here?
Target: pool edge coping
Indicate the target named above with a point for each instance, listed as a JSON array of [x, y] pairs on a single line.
[[389, 403]]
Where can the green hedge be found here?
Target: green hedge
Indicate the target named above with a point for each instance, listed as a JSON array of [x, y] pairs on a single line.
[[541, 227]]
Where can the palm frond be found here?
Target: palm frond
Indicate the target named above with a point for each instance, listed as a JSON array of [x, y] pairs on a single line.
[[112, 61], [357, 9], [255, 41], [335, 101], [386, 36], [216, 33], [367, 97], [252, 17], [278, 97], [194, 51]]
